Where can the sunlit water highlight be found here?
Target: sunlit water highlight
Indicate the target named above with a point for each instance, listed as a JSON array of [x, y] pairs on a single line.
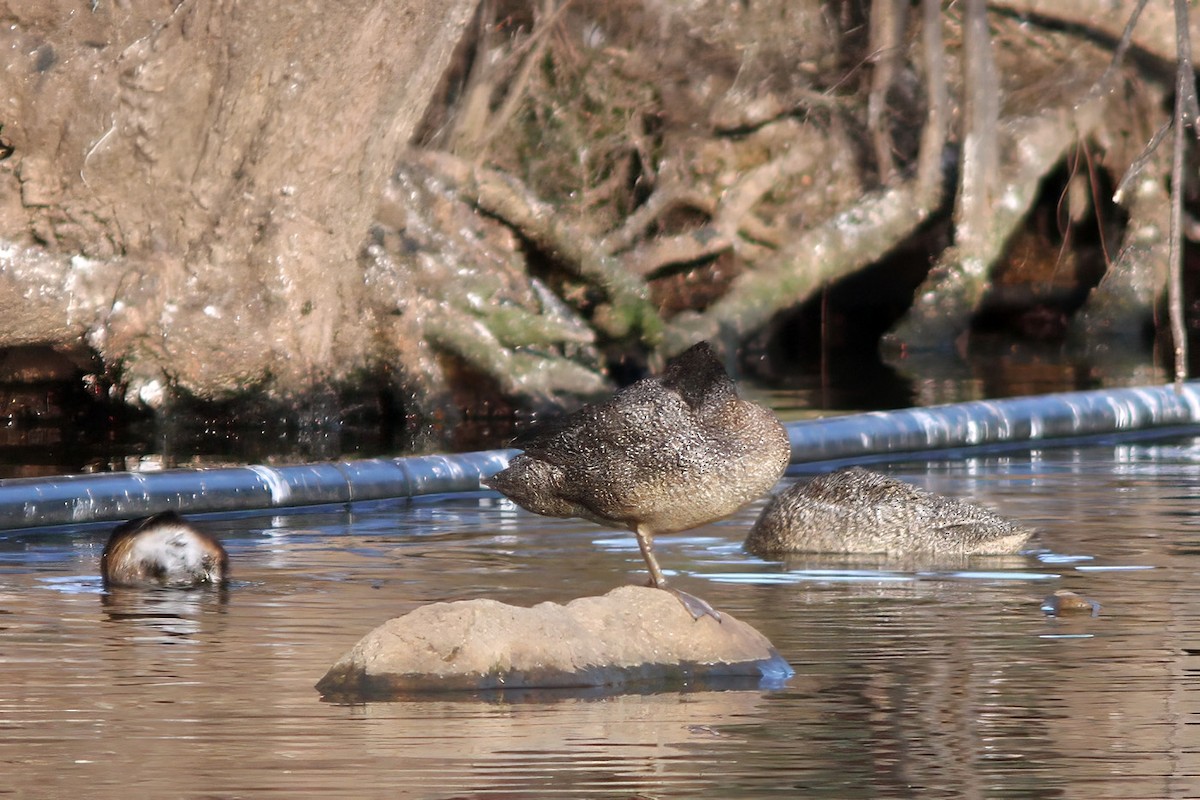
[[913, 679]]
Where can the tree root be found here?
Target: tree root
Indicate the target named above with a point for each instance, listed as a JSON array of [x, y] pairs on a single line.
[[630, 312], [992, 203], [852, 239], [855, 238], [453, 283], [1119, 308]]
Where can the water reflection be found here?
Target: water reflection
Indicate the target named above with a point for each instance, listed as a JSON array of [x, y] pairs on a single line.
[[913, 679], [164, 613], [615, 746], [54, 427]]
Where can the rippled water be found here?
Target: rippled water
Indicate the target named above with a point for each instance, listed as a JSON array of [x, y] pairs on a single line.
[[912, 680]]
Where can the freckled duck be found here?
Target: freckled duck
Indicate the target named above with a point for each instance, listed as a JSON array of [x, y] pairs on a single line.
[[665, 454], [163, 550], [855, 510]]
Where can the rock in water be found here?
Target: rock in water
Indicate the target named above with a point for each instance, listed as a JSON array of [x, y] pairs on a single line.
[[857, 511], [632, 636]]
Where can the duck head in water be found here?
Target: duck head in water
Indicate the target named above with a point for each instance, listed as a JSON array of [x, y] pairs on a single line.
[[163, 550], [667, 454]]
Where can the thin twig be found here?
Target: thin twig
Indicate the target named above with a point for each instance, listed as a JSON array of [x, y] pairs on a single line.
[[548, 17], [1185, 104], [1104, 84], [1142, 160]]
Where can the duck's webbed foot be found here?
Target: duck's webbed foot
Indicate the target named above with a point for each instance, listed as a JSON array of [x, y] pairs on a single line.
[[695, 606]]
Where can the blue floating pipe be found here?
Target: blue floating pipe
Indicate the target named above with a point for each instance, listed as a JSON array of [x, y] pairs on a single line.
[[980, 423], [78, 499]]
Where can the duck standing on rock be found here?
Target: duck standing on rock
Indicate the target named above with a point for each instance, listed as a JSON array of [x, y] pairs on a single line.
[[666, 454], [163, 550]]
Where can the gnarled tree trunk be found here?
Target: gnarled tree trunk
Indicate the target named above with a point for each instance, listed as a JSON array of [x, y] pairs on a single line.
[[218, 166]]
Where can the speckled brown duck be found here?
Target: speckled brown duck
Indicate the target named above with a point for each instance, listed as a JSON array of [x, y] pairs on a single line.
[[667, 454], [163, 550], [858, 511]]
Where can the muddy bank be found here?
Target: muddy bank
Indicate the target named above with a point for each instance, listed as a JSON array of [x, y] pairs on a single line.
[[444, 211]]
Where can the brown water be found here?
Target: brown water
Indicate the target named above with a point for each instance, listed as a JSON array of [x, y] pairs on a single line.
[[911, 680]]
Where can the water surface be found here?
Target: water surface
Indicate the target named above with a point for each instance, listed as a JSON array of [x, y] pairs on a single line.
[[912, 679]]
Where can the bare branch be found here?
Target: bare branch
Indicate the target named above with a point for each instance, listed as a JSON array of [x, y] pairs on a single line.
[[733, 215], [980, 158], [933, 136], [516, 91], [887, 37], [667, 196], [1143, 159], [683, 248], [1185, 105], [1118, 58]]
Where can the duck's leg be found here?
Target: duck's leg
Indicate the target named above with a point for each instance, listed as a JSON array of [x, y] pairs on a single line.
[[645, 541], [695, 606]]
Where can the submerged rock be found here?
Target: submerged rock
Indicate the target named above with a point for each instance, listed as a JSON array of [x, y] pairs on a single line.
[[631, 636], [857, 511]]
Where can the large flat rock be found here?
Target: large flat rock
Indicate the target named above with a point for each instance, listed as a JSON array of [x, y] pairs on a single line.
[[632, 636]]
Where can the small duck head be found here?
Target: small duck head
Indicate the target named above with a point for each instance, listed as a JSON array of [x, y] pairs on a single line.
[[163, 550]]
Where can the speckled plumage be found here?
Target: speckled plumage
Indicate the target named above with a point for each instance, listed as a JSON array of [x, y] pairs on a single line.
[[857, 511], [162, 550], [666, 454]]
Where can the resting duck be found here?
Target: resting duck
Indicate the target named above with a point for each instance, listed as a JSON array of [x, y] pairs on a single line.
[[667, 454], [857, 511], [163, 550]]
